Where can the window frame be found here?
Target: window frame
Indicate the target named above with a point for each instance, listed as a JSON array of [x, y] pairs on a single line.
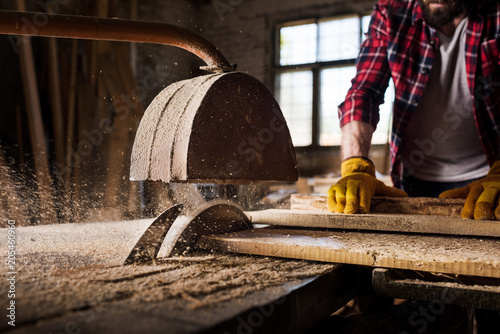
[[315, 68]]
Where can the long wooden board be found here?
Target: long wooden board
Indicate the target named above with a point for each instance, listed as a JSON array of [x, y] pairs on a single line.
[[451, 255], [399, 205], [377, 222], [46, 207]]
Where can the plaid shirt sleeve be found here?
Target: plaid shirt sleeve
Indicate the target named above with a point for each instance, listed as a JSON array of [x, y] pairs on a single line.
[[370, 83], [400, 44]]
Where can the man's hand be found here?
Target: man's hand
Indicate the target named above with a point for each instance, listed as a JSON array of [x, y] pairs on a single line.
[[481, 196], [354, 191]]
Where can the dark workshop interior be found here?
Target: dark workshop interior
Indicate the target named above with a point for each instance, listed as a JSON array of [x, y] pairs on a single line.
[[164, 168]]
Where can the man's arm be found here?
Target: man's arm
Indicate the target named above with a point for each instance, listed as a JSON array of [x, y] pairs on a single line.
[[354, 191], [356, 139]]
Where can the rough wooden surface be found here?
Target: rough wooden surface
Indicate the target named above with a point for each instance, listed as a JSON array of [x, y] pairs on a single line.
[[397, 284], [398, 205], [452, 255], [377, 222], [70, 279]]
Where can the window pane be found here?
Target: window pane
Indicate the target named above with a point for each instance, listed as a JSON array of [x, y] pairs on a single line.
[[381, 135], [298, 44], [339, 38], [365, 24], [334, 85], [295, 98]]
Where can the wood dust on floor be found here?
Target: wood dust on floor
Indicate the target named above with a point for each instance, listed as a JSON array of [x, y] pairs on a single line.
[[184, 283]]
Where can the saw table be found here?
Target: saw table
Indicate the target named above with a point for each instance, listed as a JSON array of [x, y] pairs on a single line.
[[78, 276], [69, 278]]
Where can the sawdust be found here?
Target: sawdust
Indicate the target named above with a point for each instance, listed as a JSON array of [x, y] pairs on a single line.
[[182, 138], [162, 139], [143, 143], [63, 269], [190, 284]]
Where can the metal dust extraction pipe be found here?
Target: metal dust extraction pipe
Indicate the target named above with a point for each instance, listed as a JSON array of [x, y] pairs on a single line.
[[225, 127], [107, 29]]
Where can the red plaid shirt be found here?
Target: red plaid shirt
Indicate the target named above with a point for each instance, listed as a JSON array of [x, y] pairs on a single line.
[[401, 45]]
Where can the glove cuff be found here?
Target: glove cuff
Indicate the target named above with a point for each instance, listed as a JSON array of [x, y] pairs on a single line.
[[495, 168], [358, 165]]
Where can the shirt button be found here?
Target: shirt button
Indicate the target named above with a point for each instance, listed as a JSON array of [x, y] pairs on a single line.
[[432, 42], [414, 101], [425, 71]]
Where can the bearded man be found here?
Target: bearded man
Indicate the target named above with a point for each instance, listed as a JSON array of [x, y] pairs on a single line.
[[443, 56]]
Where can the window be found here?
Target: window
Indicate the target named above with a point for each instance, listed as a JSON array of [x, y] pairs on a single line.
[[314, 68]]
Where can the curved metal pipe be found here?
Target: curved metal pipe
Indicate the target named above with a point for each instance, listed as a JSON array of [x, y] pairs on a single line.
[[106, 29]]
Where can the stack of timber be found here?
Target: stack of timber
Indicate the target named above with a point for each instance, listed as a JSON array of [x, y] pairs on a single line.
[[404, 238]]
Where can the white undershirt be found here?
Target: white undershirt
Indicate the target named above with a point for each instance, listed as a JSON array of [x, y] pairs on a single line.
[[441, 142]]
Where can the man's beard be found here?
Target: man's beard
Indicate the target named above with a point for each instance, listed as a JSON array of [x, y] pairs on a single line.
[[442, 16]]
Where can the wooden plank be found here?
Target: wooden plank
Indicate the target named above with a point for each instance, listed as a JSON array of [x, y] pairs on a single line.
[[119, 140], [46, 208], [133, 46], [471, 295], [55, 96], [70, 134], [56, 101], [399, 205], [451, 255], [122, 87], [377, 222], [20, 130]]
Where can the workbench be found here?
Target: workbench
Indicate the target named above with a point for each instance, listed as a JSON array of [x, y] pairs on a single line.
[[69, 278]]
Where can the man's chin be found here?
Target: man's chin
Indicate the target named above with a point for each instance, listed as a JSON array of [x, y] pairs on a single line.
[[438, 19], [440, 14]]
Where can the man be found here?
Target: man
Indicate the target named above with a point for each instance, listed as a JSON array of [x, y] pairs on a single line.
[[443, 56]]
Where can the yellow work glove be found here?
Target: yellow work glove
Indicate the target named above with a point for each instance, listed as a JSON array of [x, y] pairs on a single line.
[[354, 191], [481, 196]]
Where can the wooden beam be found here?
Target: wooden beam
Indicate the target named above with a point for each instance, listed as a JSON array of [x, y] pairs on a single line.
[[398, 205], [120, 139], [56, 98], [70, 133], [133, 46], [377, 222], [451, 255], [46, 208]]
